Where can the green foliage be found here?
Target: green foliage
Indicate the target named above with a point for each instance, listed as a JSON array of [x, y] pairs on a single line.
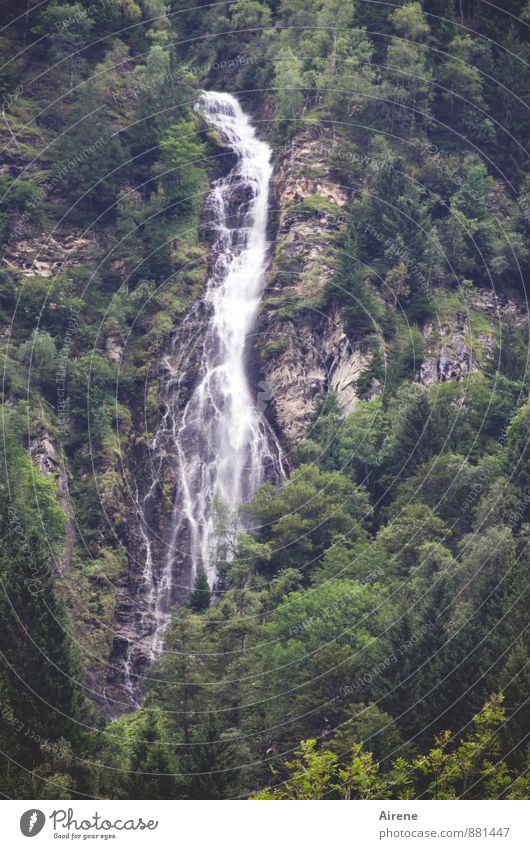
[[64, 40], [511, 352], [406, 87], [469, 769], [379, 597], [39, 356], [181, 154], [200, 596], [311, 774], [311, 510], [38, 668], [288, 84]]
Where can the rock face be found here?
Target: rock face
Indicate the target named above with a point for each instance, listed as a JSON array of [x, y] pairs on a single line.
[[454, 350], [498, 305], [114, 349], [46, 256], [453, 361], [316, 357], [302, 350], [43, 452]]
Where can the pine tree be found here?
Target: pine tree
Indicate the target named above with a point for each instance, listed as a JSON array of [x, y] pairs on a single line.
[[200, 596]]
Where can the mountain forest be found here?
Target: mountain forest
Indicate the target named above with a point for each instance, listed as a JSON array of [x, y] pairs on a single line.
[[265, 415]]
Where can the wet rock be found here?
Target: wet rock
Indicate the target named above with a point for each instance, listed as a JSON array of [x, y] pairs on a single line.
[[316, 358]]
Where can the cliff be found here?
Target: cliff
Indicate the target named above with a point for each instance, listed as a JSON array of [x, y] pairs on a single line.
[[303, 350], [302, 347]]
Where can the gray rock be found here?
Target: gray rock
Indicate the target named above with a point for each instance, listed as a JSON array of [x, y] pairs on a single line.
[[43, 453], [114, 349]]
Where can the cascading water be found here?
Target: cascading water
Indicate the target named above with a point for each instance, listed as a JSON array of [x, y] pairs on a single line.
[[220, 447], [222, 442]]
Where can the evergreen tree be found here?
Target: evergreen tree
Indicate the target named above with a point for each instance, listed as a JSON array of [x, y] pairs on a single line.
[[200, 596]]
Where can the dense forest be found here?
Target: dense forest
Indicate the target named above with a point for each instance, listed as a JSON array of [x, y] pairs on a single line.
[[365, 635]]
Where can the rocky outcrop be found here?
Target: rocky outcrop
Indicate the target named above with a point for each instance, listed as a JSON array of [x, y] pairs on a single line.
[[114, 349], [303, 349], [498, 305], [44, 257], [315, 358], [43, 452], [453, 350], [452, 362]]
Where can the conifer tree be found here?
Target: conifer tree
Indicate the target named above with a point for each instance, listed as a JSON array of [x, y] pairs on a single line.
[[200, 596]]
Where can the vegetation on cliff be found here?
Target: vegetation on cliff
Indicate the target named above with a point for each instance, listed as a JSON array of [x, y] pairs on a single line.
[[381, 599]]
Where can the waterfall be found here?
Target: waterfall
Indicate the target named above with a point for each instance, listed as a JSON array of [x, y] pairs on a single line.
[[221, 445]]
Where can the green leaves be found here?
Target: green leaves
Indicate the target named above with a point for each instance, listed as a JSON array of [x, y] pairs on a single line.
[[200, 596], [181, 152], [303, 517], [468, 769]]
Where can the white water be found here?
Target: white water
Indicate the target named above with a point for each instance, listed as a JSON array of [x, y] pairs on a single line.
[[222, 442]]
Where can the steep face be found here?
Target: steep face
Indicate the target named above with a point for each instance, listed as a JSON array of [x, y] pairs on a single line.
[[46, 256], [315, 357], [456, 348], [214, 442], [303, 350]]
